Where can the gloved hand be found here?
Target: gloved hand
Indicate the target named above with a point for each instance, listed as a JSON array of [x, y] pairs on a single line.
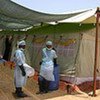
[[23, 73], [23, 70], [40, 62], [55, 61]]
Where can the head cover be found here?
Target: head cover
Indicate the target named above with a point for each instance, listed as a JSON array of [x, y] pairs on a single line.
[[21, 43], [49, 43]]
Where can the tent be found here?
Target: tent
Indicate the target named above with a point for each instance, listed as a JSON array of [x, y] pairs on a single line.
[[75, 45], [85, 17], [14, 16]]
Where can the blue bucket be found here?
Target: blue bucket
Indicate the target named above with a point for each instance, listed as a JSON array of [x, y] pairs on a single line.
[[54, 85]]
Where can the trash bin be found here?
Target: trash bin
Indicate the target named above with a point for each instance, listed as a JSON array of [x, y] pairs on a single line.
[[54, 85]]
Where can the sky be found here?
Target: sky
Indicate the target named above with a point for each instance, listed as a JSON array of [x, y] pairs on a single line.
[[58, 6]]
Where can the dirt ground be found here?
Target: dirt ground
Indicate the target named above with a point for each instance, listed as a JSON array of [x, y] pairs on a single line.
[[31, 88]]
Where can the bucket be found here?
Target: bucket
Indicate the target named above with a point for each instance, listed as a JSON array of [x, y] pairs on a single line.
[[54, 85]]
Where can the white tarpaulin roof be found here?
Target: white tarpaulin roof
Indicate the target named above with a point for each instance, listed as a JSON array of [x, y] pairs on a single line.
[[86, 17], [14, 16]]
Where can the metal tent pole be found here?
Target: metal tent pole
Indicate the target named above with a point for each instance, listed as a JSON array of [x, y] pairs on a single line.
[[96, 52]]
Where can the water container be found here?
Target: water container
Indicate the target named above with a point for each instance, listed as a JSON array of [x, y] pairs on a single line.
[[54, 85]]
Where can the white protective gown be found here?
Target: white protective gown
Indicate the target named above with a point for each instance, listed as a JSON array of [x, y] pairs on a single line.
[[19, 59], [47, 66]]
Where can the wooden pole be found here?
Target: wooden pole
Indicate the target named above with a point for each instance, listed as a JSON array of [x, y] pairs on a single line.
[[96, 52]]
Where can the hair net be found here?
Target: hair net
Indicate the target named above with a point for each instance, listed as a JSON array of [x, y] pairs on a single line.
[[21, 43], [49, 43]]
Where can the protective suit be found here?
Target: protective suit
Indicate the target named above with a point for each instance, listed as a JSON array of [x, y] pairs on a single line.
[[19, 59], [22, 70], [47, 66]]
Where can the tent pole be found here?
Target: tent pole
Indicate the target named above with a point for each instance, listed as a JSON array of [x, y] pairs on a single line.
[[96, 52]]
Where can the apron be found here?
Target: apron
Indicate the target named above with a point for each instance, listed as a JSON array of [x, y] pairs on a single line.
[[47, 68]]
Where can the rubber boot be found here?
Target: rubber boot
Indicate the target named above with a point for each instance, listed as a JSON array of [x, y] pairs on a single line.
[[20, 92], [47, 86], [40, 83], [17, 90]]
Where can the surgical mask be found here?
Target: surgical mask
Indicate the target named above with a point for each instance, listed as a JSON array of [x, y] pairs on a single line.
[[48, 48], [22, 49]]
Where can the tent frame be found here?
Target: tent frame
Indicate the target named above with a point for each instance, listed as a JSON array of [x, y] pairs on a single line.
[[96, 51]]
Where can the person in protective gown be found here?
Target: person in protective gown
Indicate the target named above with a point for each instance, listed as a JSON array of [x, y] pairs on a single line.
[[46, 75], [20, 76]]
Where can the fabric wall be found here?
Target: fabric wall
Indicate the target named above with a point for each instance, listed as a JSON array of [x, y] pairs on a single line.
[[2, 44], [66, 46], [75, 52], [85, 61]]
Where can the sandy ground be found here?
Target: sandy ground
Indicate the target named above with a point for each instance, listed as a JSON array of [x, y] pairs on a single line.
[[31, 88]]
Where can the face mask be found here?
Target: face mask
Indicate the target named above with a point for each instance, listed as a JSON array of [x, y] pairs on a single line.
[[48, 48], [22, 49]]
